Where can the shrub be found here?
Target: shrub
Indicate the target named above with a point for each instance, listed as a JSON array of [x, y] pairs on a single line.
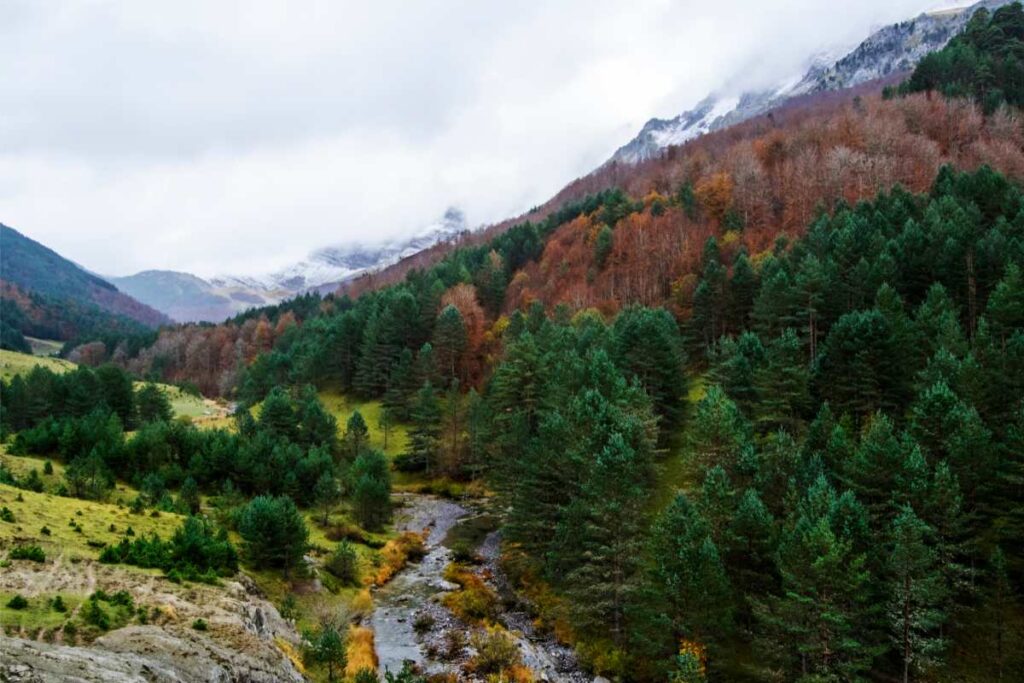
[[200, 625], [6, 515], [423, 622], [45, 531], [28, 552], [343, 564], [496, 651], [58, 604], [17, 602], [94, 614], [196, 552], [475, 601]]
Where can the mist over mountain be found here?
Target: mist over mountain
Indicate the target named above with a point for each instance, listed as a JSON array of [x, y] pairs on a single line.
[[891, 49], [189, 298]]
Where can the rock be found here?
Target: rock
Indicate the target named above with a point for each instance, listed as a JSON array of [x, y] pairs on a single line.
[[139, 654]]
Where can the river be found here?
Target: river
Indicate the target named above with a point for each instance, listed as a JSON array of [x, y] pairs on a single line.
[[415, 591]]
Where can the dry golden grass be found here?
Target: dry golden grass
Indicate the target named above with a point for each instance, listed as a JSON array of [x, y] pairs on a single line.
[[396, 553], [475, 602], [360, 651]]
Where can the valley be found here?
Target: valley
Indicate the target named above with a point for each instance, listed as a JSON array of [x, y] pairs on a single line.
[[745, 403]]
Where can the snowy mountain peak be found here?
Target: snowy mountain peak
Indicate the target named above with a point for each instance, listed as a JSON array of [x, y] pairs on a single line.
[[891, 49], [335, 264]]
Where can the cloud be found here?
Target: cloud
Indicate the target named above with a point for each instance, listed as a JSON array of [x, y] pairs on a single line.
[[237, 137]]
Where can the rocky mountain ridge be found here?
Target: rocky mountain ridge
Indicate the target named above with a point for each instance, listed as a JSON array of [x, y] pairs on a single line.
[[891, 49]]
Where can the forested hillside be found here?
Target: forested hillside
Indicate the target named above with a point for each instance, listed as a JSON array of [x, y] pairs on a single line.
[[750, 411]]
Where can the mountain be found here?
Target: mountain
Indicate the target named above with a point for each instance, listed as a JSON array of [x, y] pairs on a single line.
[[892, 49], [188, 298], [37, 269]]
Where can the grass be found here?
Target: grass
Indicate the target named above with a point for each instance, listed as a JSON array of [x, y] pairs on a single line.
[[45, 347], [203, 412], [13, 363], [342, 407], [37, 510], [39, 614]]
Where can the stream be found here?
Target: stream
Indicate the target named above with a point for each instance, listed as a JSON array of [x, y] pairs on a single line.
[[415, 593]]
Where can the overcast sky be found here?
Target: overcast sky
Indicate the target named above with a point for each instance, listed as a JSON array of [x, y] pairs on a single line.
[[224, 137]]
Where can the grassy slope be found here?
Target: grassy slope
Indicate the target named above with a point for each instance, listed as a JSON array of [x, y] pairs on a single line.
[[13, 363], [342, 407], [45, 347], [204, 412]]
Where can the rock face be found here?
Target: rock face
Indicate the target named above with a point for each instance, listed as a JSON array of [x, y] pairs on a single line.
[[889, 50], [149, 654], [243, 640]]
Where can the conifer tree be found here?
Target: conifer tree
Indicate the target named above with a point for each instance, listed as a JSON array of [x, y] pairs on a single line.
[[916, 595], [450, 343], [688, 571], [357, 435], [422, 450], [781, 384]]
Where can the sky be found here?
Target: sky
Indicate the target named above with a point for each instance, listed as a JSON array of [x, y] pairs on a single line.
[[236, 137]]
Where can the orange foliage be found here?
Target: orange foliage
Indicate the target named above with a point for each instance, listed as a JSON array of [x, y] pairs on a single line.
[[715, 194]]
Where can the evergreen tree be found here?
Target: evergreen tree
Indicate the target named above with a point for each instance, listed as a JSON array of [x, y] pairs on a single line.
[[719, 430], [371, 489], [424, 436], [647, 346], [277, 417], [327, 494], [152, 405], [450, 342], [274, 532], [688, 571], [357, 435], [188, 497], [916, 592], [781, 384], [822, 611], [611, 523]]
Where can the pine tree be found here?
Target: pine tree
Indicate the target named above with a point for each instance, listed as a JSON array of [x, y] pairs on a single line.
[[371, 489], [401, 386], [317, 427], [719, 430], [188, 496], [734, 364], [277, 416], [327, 494], [822, 610], [152, 405], [742, 290], [357, 435], [917, 595], [781, 384], [611, 524], [688, 570], [647, 346], [422, 451], [450, 342]]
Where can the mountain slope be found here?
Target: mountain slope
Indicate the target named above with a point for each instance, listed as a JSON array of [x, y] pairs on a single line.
[[35, 268], [892, 49], [188, 298]]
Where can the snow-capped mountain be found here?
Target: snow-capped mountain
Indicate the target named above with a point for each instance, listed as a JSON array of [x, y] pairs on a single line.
[[188, 298], [894, 48]]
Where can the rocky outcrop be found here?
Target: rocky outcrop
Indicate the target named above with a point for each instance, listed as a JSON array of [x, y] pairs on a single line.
[[149, 654], [246, 638]]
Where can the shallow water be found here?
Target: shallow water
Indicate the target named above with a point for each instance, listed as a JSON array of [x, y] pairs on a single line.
[[397, 603], [417, 588]]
